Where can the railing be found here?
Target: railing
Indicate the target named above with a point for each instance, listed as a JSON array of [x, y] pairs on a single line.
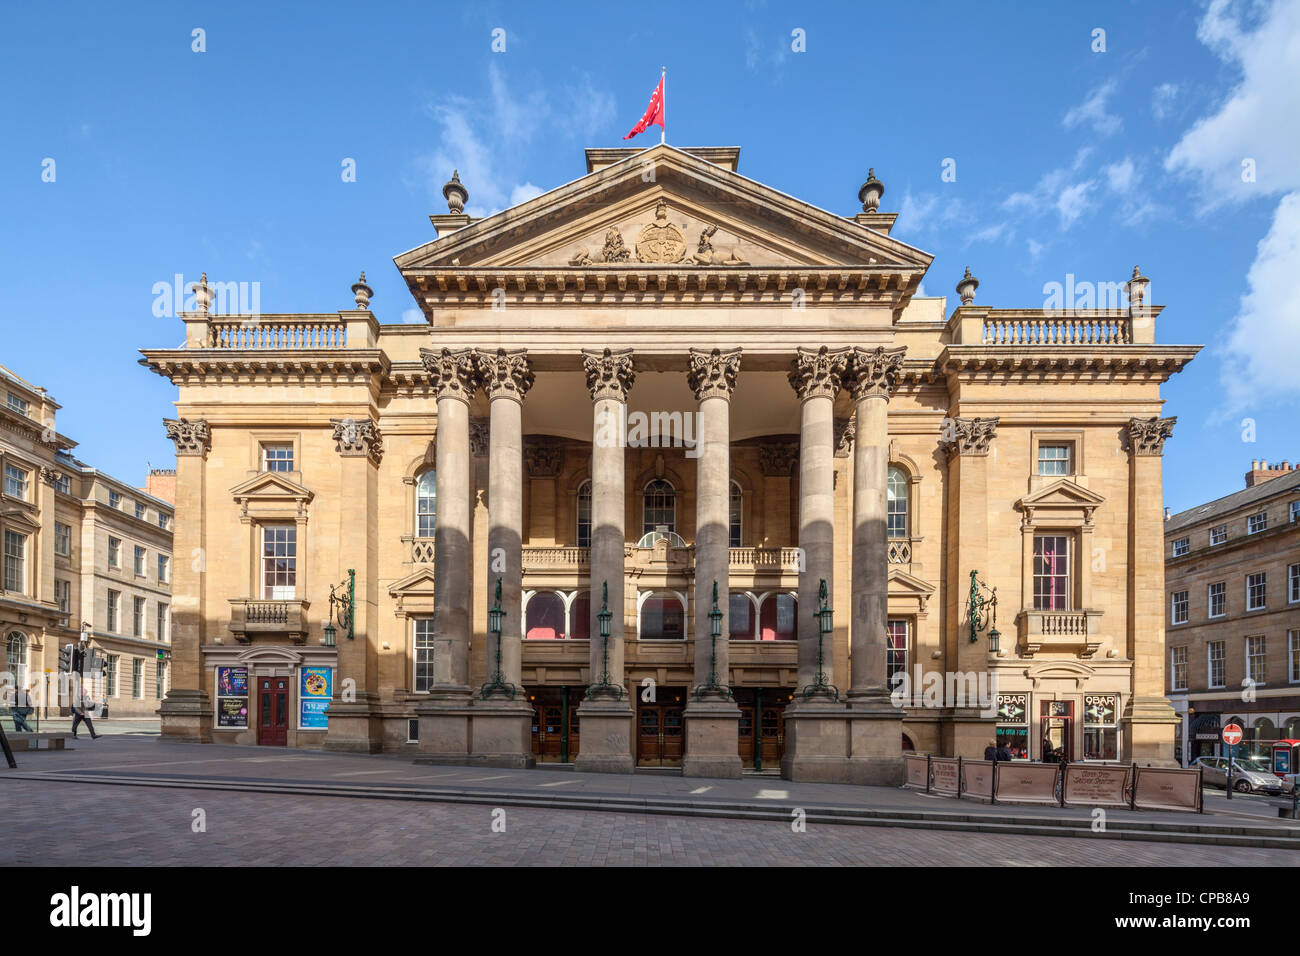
[[255, 332], [760, 559], [251, 615], [422, 550], [1063, 329], [1067, 624], [1061, 630], [266, 612], [900, 551], [551, 558]]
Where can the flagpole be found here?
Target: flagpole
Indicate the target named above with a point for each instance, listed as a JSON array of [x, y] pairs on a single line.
[[663, 130]]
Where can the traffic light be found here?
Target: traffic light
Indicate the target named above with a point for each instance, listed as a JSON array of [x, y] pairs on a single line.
[[78, 660], [98, 663], [65, 658]]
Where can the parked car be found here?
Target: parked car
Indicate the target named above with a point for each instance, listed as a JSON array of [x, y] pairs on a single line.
[[1247, 777]]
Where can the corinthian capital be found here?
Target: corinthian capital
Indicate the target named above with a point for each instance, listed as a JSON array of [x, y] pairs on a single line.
[[713, 374], [610, 374], [505, 373], [873, 373], [357, 438], [817, 373], [452, 374], [191, 437], [1146, 436], [968, 436]]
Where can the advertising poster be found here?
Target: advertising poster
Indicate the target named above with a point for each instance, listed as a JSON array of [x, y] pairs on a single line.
[[314, 691], [232, 697]]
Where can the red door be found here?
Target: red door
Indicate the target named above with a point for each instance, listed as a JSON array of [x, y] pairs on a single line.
[[273, 711]]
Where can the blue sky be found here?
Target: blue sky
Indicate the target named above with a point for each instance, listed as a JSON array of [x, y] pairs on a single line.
[[1069, 161]]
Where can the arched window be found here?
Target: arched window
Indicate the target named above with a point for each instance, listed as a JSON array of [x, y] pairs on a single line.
[[580, 616], [659, 507], [777, 618], [663, 617], [16, 658], [584, 514], [426, 504], [735, 508], [741, 618], [897, 501], [544, 617]]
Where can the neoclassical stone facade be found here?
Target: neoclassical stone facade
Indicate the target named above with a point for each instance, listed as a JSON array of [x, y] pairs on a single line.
[[660, 382]]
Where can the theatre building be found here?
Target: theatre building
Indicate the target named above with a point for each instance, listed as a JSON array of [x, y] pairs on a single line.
[[661, 381]]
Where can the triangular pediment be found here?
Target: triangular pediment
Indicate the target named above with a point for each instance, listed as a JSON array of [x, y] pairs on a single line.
[[1062, 494], [418, 582], [900, 582], [663, 208], [271, 485], [20, 518]]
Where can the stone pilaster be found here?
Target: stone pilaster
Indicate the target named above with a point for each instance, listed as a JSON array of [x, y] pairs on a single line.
[[605, 715], [967, 442], [445, 718], [712, 717], [186, 711], [1150, 724]]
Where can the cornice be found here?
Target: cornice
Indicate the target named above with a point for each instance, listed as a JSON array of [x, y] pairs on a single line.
[[182, 366], [1147, 361]]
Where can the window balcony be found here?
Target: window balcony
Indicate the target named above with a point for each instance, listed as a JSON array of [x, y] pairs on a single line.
[[1073, 631], [250, 617]]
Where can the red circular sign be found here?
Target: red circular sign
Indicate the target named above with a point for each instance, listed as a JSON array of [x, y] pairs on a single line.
[[1232, 734]]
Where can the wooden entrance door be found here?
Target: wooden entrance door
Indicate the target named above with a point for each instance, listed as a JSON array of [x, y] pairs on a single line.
[[772, 730], [273, 711], [745, 736], [659, 735]]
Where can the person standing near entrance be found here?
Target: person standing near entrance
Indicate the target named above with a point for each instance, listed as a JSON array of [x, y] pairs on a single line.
[[991, 752], [81, 713], [1003, 752]]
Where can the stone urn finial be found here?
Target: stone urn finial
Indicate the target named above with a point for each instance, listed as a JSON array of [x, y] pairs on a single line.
[[1136, 288], [871, 191], [202, 294], [455, 194], [967, 286], [362, 292]]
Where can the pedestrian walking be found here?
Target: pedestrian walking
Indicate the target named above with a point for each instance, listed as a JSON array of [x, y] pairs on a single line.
[[81, 713], [20, 710]]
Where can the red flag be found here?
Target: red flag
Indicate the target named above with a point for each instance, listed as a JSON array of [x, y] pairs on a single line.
[[654, 113]]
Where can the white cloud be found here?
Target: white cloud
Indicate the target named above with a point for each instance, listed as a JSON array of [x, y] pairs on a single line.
[[1259, 119], [992, 233], [928, 213], [1035, 249], [1121, 176], [1264, 338], [1093, 112], [412, 316], [1073, 201], [1162, 99], [524, 192]]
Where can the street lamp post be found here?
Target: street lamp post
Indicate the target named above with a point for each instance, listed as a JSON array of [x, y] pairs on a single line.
[[713, 686], [820, 687], [983, 611], [604, 687], [342, 607], [498, 684]]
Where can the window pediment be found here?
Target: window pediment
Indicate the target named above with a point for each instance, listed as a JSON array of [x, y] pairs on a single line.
[[271, 494], [20, 519], [414, 593], [908, 593], [1063, 499]]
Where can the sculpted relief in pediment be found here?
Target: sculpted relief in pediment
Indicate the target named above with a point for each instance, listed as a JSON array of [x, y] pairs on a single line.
[[660, 242]]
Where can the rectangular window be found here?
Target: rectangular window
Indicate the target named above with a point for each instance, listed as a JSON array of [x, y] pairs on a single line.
[[110, 676], [114, 606], [163, 521], [160, 681], [114, 500], [19, 404], [1293, 656], [62, 539], [163, 623], [1178, 607], [1215, 655], [1219, 534], [1256, 591], [1182, 546], [1257, 523], [277, 456], [140, 510], [1295, 511], [15, 562], [139, 560], [1255, 659], [1101, 727], [63, 595], [137, 678], [1013, 724], [1218, 599], [1054, 460], [137, 617], [1051, 572], [15, 482], [895, 651], [164, 569], [423, 654], [114, 552], [1293, 583], [279, 561], [1178, 668], [64, 484]]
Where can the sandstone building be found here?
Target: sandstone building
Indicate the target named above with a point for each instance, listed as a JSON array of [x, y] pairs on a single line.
[[1232, 582], [656, 379], [80, 547]]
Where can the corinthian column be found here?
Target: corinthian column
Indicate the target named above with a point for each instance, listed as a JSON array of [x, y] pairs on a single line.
[[712, 717], [871, 378], [605, 715]]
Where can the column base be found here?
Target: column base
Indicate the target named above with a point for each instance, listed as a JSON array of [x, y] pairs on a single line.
[[605, 732], [186, 715], [478, 733], [355, 727], [828, 742], [712, 745], [1151, 725]]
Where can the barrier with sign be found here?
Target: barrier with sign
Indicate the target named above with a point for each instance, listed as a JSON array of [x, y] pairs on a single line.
[[1027, 783], [978, 779], [918, 772], [945, 775], [1096, 786], [1159, 788]]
